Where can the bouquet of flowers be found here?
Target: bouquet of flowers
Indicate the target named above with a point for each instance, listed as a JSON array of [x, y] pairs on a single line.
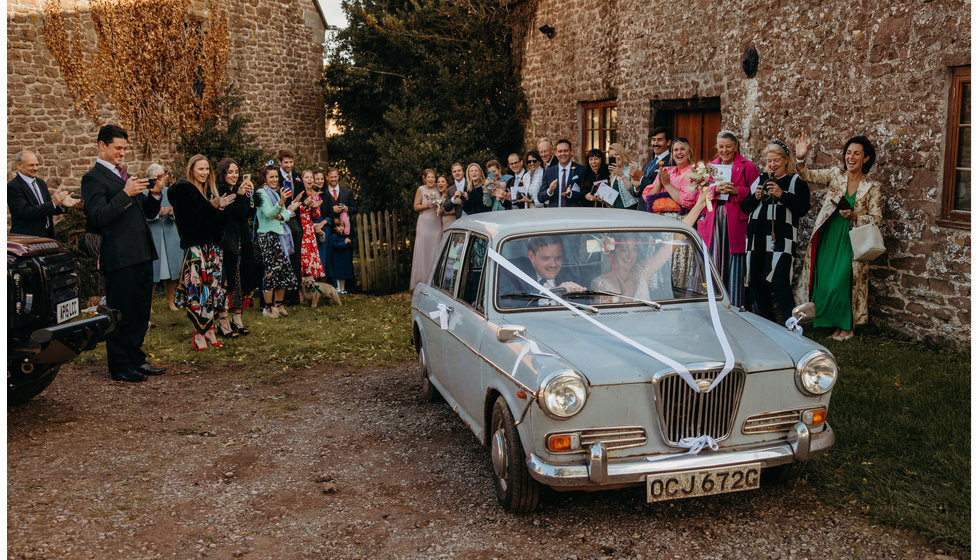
[[702, 175]]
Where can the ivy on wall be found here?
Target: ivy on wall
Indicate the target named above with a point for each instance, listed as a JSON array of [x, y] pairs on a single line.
[[160, 66]]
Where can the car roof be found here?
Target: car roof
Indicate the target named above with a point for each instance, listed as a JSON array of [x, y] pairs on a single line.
[[497, 225]]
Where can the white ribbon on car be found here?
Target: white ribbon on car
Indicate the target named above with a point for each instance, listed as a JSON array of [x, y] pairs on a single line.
[[793, 324], [442, 314], [527, 347], [694, 446]]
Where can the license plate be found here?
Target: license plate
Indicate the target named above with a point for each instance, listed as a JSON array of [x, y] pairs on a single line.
[[67, 310], [688, 484]]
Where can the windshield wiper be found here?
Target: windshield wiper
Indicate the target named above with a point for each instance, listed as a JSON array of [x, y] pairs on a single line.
[[648, 303], [528, 296]]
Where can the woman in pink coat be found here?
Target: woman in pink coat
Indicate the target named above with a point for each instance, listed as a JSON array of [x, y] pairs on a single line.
[[723, 229]]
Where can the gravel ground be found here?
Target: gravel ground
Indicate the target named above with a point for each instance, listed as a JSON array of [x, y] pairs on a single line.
[[327, 463]]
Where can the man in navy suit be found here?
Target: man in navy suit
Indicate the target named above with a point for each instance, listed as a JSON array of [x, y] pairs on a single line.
[[561, 186], [338, 199], [292, 183], [116, 207], [545, 256], [32, 207], [660, 145]]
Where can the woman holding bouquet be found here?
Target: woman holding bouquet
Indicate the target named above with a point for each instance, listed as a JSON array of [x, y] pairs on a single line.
[[428, 228], [723, 226], [774, 209], [831, 279]]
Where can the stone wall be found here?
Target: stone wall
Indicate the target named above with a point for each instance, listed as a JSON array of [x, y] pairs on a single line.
[[276, 57], [833, 68]]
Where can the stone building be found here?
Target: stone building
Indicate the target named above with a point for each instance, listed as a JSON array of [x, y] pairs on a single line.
[[276, 57], [897, 72]]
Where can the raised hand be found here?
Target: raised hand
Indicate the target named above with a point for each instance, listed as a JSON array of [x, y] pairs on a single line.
[[802, 145]]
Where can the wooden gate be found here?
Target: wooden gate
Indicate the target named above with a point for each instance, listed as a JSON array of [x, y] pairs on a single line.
[[381, 247]]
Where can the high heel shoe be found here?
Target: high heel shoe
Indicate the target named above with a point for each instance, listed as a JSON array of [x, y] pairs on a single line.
[[196, 347], [230, 333], [281, 309], [214, 342], [238, 325]]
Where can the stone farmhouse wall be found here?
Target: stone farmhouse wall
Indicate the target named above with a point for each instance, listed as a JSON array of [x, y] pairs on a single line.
[[833, 68], [276, 56]]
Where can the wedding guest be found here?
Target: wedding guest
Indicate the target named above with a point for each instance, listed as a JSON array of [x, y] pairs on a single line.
[[622, 169], [535, 170], [309, 213], [562, 184], [271, 210], [774, 209], [290, 183], [428, 228], [32, 207], [199, 213], [519, 182], [831, 279], [444, 205], [595, 172], [166, 268], [495, 193], [339, 200], [660, 148], [241, 270], [471, 197], [322, 226], [662, 196], [340, 261], [723, 227], [458, 184], [547, 152]]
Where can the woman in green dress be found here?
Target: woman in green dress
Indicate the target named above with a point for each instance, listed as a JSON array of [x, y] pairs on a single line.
[[831, 279]]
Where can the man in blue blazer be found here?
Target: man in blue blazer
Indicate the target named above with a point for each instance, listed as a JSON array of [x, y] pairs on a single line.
[[660, 145], [32, 207], [116, 207], [562, 186]]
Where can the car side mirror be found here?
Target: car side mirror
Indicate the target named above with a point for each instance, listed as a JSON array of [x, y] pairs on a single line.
[[805, 312], [509, 333]]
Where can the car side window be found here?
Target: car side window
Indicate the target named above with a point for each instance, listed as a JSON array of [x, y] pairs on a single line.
[[471, 285], [449, 263]]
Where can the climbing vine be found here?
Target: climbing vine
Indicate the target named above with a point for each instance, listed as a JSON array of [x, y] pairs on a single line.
[[160, 66]]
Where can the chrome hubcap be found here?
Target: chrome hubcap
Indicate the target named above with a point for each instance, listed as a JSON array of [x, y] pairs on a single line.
[[498, 456], [422, 372]]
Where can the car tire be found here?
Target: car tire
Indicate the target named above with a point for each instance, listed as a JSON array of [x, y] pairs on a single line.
[[429, 391], [783, 475], [22, 387], [516, 491]]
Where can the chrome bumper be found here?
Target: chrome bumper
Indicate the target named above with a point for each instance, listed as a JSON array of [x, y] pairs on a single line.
[[800, 445]]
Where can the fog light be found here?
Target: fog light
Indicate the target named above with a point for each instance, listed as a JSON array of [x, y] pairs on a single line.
[[815, 417], [560, 442]]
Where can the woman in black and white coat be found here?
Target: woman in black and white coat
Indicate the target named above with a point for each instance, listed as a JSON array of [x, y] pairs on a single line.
[[778, 201]]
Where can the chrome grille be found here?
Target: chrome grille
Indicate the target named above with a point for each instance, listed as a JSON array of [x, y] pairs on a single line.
[[777, 421], [684, 413], [614, 438]]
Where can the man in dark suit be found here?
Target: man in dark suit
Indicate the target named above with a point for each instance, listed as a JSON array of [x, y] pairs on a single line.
[[338, 199], [544, 264], [32, 207], [660, 146], [291, 185], [547, 151], [116, 207], [561, 186]]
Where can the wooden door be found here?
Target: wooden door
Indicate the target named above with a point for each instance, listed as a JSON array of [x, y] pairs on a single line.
[[700, 127]]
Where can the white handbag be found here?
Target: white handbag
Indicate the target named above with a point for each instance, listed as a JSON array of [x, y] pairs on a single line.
[[866, 242]]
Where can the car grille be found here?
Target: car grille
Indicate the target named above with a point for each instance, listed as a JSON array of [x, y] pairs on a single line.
[[684, 413], [613, 438], [778, 421], [62, 274]]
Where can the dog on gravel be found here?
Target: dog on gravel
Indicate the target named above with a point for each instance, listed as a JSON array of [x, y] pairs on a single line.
[[313, 291]]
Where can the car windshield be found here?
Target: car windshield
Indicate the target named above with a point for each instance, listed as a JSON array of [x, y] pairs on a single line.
[[607, 268]]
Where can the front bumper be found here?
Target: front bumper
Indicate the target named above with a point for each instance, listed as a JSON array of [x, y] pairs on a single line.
[[801, 444], [58, 344]]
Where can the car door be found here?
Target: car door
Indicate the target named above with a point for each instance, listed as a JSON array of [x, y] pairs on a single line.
[[440, 289], [462, 349]]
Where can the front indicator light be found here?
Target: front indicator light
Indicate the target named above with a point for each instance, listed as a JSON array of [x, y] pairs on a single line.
[[814, 417], [560, 442]]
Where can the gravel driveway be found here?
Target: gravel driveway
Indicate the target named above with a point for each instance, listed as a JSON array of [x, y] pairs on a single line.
[[326, 463]]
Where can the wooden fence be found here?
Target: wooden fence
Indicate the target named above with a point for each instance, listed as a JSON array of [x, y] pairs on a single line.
[[384, 248]]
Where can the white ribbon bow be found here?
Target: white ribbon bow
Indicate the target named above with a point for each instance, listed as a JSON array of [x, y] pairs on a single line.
[[442, 313], [527, 347], [694, 446], [793, 324]]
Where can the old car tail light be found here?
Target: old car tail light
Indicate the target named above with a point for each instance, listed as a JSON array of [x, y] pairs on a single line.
[[560, 442], [814, 417]]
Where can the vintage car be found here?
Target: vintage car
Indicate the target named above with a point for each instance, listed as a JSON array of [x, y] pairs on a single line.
[[525, 330]]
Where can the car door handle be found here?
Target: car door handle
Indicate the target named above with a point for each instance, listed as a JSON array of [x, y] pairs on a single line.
[[423, 292]]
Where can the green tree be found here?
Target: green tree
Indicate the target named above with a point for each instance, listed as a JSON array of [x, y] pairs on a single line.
[[421, 83], [223, 136]]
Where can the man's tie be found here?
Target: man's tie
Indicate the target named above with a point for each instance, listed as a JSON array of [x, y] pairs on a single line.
[[122, 173], [37, 193], [334, 194], [561, 192]]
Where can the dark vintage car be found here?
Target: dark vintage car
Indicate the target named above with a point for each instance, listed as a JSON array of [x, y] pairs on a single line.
[[42, 301]]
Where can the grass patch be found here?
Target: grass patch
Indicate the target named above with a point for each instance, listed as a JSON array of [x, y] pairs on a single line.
[[901, 414], [364, 331]]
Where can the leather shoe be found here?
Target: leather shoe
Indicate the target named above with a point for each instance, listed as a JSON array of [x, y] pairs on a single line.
[[147, 369], [128, 374]]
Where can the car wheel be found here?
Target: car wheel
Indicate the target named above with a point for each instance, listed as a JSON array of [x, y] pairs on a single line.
[[429, 391], [785, 475], [23, 387], [517, 492]]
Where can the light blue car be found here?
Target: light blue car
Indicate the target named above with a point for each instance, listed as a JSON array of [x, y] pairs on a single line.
[[580, 345]]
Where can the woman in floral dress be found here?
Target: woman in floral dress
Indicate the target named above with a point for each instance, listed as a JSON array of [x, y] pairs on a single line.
[[309, 213]]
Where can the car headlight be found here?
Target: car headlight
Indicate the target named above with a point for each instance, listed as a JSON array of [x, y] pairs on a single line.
[[816, 373], [563, 394]]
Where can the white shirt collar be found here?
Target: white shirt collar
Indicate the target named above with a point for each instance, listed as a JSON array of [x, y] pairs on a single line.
[[28, 180], [110, 166], [567, 167], [663, 155]]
